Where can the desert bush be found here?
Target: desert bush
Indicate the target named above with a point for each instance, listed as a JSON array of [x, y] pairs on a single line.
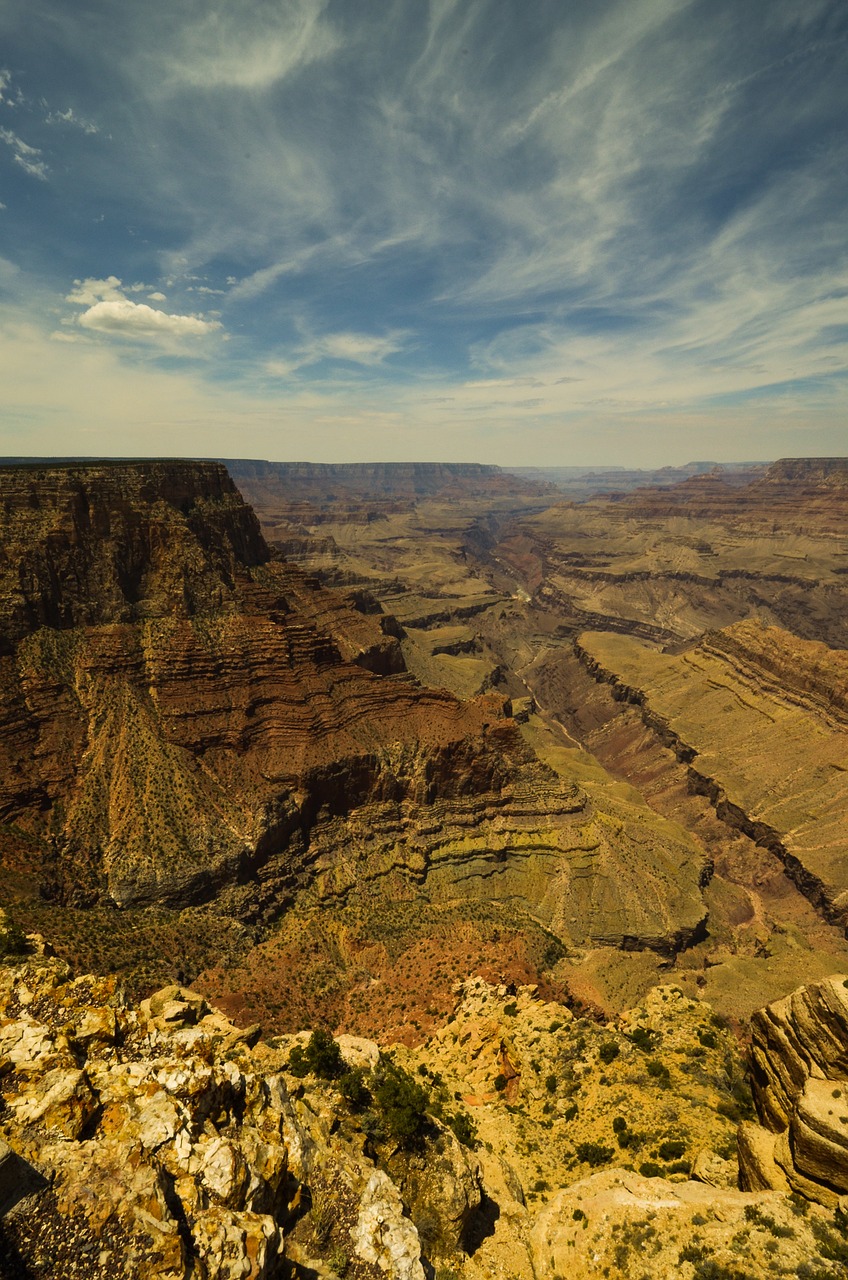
[[671, 1149], [658, 1071], [353, 1088], [402, 1104], [464, 1129], [13, 942], [593, 1153], [321, 1056], [608, 1051], [644, 1039]]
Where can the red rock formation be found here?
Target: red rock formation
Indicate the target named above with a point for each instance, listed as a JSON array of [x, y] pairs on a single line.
[[805, 495]]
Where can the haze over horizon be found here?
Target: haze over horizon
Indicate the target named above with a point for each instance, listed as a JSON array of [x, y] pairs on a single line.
[[608, 233]]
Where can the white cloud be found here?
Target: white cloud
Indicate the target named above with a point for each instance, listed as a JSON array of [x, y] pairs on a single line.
[[86, 292], [137, 320], [359, 348], [365, 349], [71, 118], [157, 297], [25, 155], [234, 48], [109, 311]]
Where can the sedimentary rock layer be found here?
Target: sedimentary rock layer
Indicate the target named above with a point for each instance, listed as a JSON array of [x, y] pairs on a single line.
[[774, 761], [184, 716], [800, 1085], [670, 563]]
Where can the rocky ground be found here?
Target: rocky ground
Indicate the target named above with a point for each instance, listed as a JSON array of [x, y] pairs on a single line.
[[518, 1142]]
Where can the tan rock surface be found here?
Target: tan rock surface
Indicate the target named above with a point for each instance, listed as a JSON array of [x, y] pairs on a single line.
[[800, 1085], [774, 763], [618, 1224]]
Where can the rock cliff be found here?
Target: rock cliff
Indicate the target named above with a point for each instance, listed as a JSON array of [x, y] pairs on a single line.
[[185, 718], [161, 1142], [800, 1086], [669, 563]]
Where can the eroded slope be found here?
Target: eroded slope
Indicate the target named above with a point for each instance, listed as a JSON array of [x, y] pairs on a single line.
[[187, 720]]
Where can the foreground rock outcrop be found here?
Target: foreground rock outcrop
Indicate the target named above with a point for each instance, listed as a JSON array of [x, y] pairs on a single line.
[[162, 1141], [800, 1085]]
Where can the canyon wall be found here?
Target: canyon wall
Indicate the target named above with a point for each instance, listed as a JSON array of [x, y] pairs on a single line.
[[186, 718]]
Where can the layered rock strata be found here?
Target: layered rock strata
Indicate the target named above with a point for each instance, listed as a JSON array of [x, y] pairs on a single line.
[[758, 716], [185, 717], [669, 563], [797, 494], [800, 1084]]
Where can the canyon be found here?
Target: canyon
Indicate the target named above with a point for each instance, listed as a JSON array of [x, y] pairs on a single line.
[[543, 787]]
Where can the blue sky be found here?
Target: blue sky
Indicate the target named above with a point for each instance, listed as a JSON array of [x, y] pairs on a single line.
[[550, 232]]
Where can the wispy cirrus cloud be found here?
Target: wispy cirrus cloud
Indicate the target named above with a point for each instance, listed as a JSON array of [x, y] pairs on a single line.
[[366, 350], [223, 47], [538, 216], [70, 117], [29, 158]]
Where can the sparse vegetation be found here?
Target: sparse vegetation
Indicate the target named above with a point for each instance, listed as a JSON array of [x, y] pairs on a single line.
[[593, 1153], [322, 1056]]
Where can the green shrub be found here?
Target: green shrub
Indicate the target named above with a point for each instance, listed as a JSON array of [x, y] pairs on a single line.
[[551, 1083], [339, 1260], [500, 1082], [650, 1170], [402, 1104], [658, 1071], [322, 1056], [353, 1088], [608, 1051], [644, 1039], [671, 1149], [593, 1153], [619, 1124], [464, 1129], [12, 939], [511, 1010]]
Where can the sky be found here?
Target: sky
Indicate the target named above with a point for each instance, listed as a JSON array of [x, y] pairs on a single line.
[[526, 232]]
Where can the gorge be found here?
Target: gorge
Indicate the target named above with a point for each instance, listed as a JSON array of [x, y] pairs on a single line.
[[548, 795]]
